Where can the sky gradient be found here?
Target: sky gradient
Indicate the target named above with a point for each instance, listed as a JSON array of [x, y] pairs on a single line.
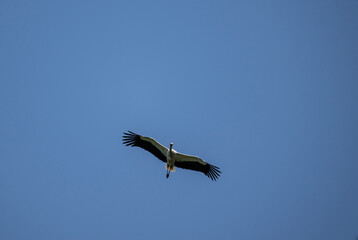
[[265, 90]]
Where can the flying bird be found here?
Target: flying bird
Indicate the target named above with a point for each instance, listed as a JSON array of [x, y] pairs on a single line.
[[171, 157]]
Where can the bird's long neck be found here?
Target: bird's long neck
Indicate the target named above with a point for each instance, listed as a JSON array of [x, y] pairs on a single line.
[[170, 149], [170, 154]]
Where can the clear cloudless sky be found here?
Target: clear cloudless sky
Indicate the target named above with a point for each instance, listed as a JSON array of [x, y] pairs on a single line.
[[265, 90]]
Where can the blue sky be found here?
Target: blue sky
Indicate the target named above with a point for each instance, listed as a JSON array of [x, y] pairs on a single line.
[[266, 90]]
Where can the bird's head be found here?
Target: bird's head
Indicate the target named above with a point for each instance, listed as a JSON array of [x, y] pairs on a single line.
[[171, 145]]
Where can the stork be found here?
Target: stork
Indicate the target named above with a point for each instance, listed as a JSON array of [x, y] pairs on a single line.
[[171, 157]]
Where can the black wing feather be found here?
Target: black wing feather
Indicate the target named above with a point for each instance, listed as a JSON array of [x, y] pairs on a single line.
[[134, 140], [209, 170]]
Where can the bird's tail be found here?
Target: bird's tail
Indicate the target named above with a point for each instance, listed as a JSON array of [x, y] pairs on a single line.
[[172, 168]]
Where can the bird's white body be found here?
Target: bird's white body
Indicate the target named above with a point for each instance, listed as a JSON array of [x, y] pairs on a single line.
[[171, 156]]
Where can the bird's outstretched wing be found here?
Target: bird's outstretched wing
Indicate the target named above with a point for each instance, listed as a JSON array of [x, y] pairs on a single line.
[[148, 144], [197, 164]]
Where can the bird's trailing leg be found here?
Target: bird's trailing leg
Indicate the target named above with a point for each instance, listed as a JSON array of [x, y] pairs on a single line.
[[168, 173]]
